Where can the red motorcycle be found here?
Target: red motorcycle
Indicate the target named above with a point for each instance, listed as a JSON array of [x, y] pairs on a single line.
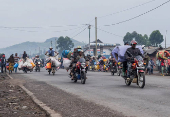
[[137, 74], [80, 73]]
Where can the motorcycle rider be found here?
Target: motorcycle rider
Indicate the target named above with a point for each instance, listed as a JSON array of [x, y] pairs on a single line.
[[37, 58], [130, 53], [125, 62], [51, 52], [77, 54]]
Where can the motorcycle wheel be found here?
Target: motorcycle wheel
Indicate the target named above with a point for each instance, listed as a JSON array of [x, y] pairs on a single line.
[[141, 80], [49, 72], [118, 72], [128, 82], [112, 73], [83, 77], [53, 71]]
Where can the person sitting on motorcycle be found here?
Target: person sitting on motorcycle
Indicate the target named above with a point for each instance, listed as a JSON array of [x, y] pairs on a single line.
[[51, 52], [130, 54], [37, 59], [125, 62], [75, 60]]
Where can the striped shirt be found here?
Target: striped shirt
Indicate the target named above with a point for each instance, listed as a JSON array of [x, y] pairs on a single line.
[[16, 59]]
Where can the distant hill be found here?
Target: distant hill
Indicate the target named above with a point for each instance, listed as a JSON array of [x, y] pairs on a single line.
[[33, 47]]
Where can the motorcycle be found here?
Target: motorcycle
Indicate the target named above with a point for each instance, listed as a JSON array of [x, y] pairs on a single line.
[[52, 65], [113, 68], [119, 68], [137, 74], [37, 65], [80, 73]]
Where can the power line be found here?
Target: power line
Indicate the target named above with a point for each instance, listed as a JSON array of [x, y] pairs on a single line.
[[42, 26], [139, 15], [69, 29], [127, 9], [109, 32], [80, 32]]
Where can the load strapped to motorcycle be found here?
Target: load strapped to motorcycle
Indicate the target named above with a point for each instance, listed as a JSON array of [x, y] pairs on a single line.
[[26, 65], [52, 64], [66, 55], [137, 65]]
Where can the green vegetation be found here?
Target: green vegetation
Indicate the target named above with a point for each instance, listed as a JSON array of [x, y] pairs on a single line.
[[155, 38], [64, 44]]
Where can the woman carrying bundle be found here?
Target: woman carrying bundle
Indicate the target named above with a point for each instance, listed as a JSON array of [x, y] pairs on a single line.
[[11, 63]]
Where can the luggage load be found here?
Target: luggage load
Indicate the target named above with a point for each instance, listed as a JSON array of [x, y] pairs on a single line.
[[120, 52], [48, 66], [66, 62], [16, 65], [65, 53], [56, 62], [33, 65], [20, 63], [29, 64], [69, 55], [162, 55]]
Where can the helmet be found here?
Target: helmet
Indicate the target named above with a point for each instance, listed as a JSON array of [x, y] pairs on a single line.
[[79, 47], [126, 43], [133, 42], [51, 48]]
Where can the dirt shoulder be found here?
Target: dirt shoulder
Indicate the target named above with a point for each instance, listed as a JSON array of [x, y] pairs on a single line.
[[14, 102]]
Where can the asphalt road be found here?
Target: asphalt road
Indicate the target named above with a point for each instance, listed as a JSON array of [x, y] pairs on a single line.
[[111, 91]]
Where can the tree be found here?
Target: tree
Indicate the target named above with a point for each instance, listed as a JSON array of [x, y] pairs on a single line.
[[147, 40], [156, 38], [64, 44], [134, 35], [128, 37]]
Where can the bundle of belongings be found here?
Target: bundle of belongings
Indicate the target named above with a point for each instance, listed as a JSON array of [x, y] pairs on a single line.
[[119, 51], [52, 61], [25, 63]]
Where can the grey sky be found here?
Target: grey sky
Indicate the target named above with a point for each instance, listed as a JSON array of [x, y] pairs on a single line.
[[47, 13]]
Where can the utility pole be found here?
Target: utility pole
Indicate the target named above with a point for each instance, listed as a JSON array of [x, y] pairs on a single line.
[[39, 51], [89, 27], [51, 43], [165, 38], [55, 44], [96, 33]]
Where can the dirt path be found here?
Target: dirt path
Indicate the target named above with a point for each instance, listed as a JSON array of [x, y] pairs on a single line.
[[14, 102]]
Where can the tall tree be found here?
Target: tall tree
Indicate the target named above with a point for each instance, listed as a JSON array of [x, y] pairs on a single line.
[[156, 38], [134, 35], [64, 44], [128, 37]]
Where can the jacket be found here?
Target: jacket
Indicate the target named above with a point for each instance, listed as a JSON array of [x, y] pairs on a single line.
[[132, 52]]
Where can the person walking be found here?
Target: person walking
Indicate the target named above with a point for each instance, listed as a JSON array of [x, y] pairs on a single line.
[[162, 67], [168, 65], [151, 66], [158, 64], [101, 63], [146, 60], [16, 58], [3, 63], [11, 63]]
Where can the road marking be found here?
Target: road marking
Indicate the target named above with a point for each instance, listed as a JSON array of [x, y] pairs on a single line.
[[43, 106]]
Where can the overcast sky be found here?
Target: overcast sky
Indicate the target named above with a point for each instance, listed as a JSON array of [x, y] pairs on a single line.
[[18, 15]]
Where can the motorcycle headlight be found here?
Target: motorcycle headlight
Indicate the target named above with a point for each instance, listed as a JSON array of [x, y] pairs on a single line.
[[140, 64], [83, 65]]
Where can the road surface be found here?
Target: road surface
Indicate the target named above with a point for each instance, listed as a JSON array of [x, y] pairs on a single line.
[[111, 92]]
